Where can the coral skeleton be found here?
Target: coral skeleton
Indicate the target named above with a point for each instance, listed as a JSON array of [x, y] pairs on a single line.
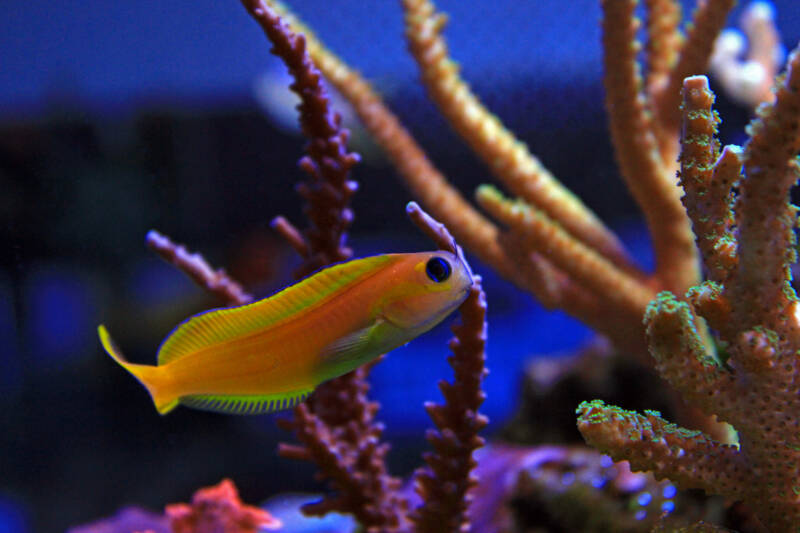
[[738, 203]]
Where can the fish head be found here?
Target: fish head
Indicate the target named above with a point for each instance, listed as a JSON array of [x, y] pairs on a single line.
[[426, 287]]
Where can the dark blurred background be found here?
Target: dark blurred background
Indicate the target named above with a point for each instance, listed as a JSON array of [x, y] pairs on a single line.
[[120, 117]]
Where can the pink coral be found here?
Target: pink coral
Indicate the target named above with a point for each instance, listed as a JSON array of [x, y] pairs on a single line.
[[218, 509]]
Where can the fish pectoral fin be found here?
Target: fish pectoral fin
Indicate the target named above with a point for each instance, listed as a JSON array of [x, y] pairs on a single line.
[[351, 347], [250, 404]]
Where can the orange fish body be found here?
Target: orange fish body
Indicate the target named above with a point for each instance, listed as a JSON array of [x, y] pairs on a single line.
[[270, 354]]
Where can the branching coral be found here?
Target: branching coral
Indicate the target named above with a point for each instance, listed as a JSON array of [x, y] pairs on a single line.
[[559, 250], [337, 428], [444, 483], [555, 246], [738, 203]]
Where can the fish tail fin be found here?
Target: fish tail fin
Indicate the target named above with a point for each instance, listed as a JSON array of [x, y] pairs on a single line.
[[148, 375]]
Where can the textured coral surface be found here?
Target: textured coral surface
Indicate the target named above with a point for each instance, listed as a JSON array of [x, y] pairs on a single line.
[[748, 246]]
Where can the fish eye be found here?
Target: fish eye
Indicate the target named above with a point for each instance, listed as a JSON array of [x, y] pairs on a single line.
[[438, 269]]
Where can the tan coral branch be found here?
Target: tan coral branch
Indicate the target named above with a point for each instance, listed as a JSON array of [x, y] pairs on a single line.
[[683, 360], [707, 22], [581, 263], [688, 458], [664, 41], [636, 149], [767, 242], [536, 270], [507, 158], [472, 229], [707, 180], [662, 50]]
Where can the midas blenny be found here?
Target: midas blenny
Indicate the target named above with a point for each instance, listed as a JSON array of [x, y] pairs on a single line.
[[271, 354]]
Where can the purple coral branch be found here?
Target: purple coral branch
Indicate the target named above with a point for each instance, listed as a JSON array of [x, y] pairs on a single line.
[[327, 161], [217, 282], [444, 483], [336, 427]]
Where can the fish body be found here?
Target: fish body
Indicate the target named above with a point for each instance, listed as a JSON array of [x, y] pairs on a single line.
[[270, 354]]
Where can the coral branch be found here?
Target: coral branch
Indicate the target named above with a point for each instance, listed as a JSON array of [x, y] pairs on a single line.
[[664, 41], [637, 152], [291, 235], [356, 470], [327, 163], [582, 264], [542, 278], [707, 22], [507, 158], [767, 242], [650, 443], [434, 230], [195, 266], [336, 426], [708, 183], [443, 485], [682, 359]]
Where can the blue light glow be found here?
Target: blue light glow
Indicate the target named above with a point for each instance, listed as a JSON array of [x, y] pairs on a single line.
[[61, 313], [644, 499]]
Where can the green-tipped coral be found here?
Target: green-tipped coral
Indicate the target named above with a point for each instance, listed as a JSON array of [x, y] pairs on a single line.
[[748, 247]]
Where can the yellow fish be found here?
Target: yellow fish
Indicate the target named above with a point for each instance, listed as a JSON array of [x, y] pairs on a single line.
[[271, 354]]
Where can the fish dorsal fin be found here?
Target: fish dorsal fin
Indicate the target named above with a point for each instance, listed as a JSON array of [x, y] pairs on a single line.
[[219, 325], [245, 404]]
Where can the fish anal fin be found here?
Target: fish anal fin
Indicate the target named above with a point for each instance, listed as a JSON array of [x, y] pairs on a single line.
[[233, 404]]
